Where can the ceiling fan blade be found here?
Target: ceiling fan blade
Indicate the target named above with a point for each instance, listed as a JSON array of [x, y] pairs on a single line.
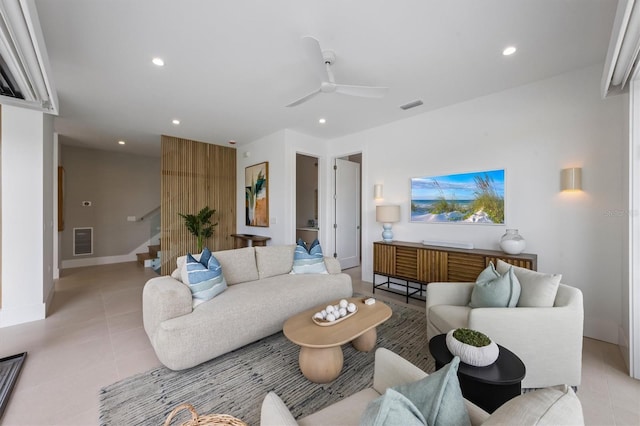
[[362, 91], [304, 98], [314, 53]]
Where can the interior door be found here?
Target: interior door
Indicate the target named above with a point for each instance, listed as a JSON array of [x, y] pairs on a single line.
[[347, 213]]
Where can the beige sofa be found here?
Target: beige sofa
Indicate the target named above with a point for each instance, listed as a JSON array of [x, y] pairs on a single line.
[[548, 340], [551, 406], [261, 295]]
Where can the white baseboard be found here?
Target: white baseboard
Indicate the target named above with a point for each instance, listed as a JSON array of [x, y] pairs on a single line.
[[93, 261]]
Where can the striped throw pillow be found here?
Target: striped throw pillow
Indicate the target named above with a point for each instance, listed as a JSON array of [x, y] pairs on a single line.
[[308, 261], [204, 277]]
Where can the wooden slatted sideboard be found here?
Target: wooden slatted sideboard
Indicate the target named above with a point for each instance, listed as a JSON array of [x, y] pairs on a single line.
[[409, 267]]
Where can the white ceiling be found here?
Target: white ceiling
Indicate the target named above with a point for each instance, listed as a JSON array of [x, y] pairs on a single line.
[[233, 65]]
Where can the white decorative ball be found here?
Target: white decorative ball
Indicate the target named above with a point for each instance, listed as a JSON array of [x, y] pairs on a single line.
[[323, 313], [351, 307], [336, 307], [343, 303], [318, 315], [331, 317], [343, 312], [330, 309], [337, 313]]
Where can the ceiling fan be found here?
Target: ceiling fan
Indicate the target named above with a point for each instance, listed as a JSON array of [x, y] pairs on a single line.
[[322, 61]]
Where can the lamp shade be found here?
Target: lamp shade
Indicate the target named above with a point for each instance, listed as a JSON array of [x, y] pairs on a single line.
[[571, 179], [387, 214]]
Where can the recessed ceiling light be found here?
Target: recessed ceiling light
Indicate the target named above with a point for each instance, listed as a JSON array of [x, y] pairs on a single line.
[[232, 142], [158, 61], [509, 51], [121, 142], [322, 120], [176, 121]]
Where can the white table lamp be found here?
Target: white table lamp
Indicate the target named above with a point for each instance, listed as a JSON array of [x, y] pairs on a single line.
[[387, 215]]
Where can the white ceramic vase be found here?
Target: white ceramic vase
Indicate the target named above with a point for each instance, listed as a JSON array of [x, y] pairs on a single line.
[[512, 242], [472, 355]]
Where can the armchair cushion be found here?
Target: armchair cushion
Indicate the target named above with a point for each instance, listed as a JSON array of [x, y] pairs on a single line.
[[495, 290], [538, 290], [557, 405]]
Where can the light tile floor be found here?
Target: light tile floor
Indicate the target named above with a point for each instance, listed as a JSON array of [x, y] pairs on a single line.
[[93, 337]]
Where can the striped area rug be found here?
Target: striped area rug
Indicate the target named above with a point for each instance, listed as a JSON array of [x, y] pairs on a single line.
[[236, 383]]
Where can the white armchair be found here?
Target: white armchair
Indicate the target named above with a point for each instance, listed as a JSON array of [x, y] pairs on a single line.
[[547, 340]]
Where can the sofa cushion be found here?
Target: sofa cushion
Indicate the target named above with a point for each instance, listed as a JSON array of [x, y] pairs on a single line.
[[437, 398], [494, 290], [537, 289], [308, 261], [274, 260], [205, 282], [239, 265], [557, 405], [348, 410], [449, 317]]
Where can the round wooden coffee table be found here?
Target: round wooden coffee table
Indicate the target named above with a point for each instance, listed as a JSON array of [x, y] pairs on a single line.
[[321, 356], [488, 387]]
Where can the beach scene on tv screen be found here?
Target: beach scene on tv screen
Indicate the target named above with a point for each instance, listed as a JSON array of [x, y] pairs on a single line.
[[476, 197]]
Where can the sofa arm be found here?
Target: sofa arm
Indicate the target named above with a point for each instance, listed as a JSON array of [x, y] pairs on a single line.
[[390, 369], [275, 413], [164, 298], [332, 264]]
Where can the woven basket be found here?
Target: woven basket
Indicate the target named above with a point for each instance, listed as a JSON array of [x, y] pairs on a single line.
[[207, 420]]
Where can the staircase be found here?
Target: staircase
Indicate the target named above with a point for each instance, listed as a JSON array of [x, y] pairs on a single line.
[[151, 258]]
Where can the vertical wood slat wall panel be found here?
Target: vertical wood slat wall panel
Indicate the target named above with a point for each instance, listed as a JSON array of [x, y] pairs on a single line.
[[194, 175]]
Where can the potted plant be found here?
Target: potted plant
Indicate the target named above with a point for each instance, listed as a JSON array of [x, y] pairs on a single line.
[[473, 347], [200, 224]]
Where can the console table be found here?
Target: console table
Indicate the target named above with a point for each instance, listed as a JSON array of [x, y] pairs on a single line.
[[242, 240], [414, 265]]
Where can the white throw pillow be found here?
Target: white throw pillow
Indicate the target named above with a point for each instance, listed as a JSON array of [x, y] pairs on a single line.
[[537, 289]]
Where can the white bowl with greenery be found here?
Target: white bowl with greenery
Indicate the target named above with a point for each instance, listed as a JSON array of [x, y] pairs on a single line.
[[472, 347]]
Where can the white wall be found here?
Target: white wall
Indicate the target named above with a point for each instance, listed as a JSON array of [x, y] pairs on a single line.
[[533, 132], [280, 150], [27, 217]]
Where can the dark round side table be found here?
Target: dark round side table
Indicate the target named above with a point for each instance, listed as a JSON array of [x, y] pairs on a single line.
[[488, 387]]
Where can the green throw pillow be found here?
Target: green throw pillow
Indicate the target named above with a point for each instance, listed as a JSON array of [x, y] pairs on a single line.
[[493, 290], [392, 408], [437, 398]]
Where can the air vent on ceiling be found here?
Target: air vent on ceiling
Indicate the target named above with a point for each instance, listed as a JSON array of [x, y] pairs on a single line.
[[410, 105], [24, 67]]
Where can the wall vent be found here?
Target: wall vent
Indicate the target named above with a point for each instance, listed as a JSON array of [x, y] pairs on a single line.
[[410, 105], [82, 241]]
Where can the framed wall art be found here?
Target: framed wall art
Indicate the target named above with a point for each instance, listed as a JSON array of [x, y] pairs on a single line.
[[256, 183], [476, 197]]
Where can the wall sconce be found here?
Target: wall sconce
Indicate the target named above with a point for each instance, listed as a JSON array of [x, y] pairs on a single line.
[[377, 191], [387, 215], [571, 179]]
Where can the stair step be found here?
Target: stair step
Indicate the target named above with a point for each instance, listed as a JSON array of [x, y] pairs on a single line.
[[153, 250], [144, 256]]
